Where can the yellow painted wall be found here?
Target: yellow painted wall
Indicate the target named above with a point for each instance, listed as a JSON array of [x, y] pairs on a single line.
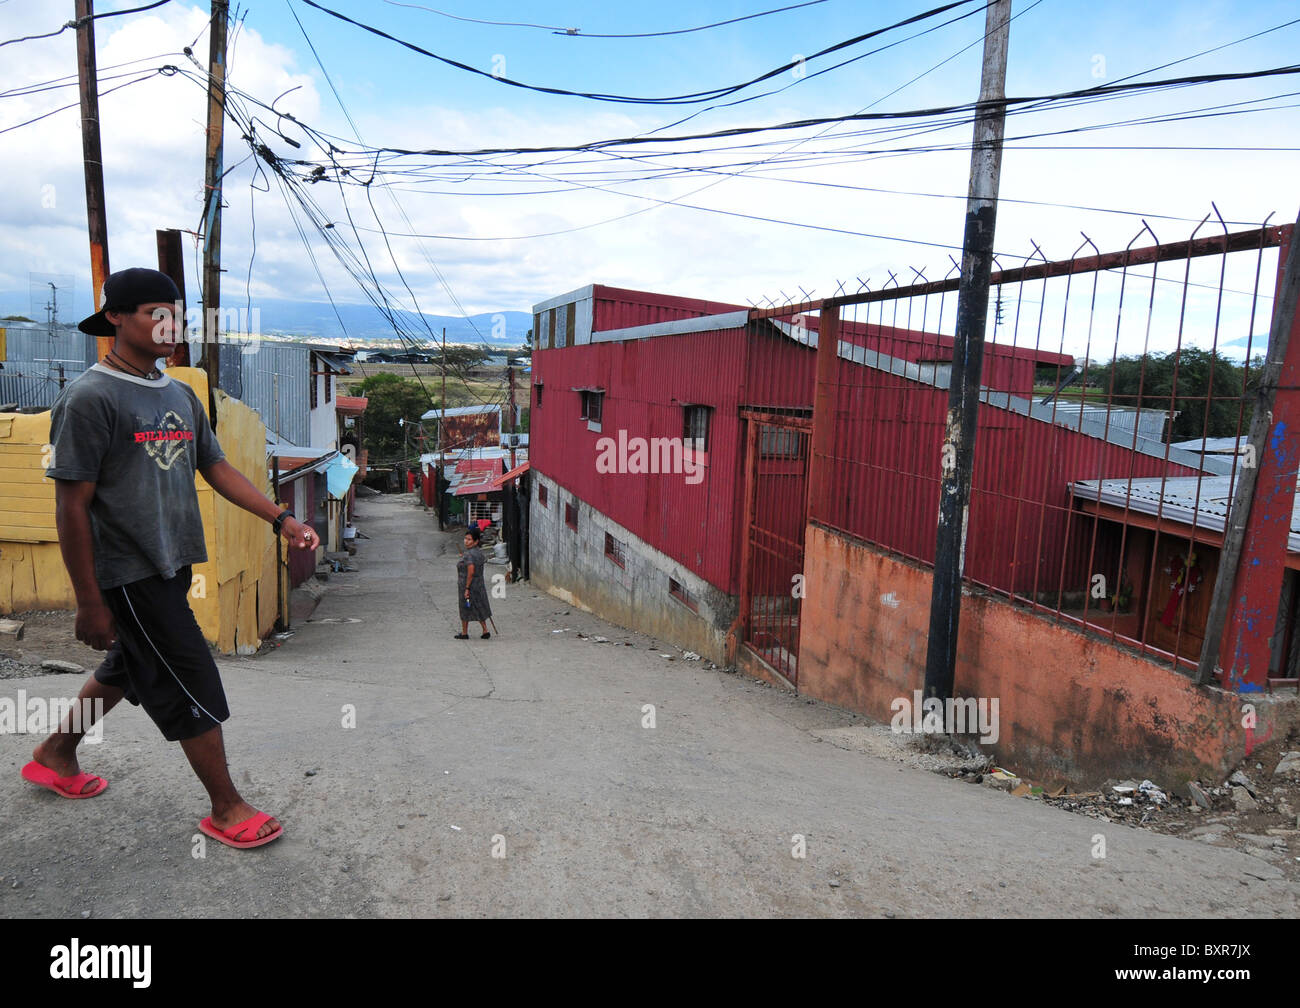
[[234, 594]]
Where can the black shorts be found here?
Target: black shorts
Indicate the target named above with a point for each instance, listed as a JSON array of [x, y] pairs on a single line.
[[160, 659]]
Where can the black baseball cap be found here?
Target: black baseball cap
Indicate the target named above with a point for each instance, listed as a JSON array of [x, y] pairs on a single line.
[[129, 287]]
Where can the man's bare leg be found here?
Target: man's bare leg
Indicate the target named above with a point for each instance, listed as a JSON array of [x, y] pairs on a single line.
[[207, 755], [59, 751]]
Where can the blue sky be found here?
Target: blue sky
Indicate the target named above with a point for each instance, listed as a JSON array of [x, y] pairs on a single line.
[[153, 138]]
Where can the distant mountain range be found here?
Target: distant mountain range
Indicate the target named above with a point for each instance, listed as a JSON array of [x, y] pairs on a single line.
[[364, 324], [315, 322]]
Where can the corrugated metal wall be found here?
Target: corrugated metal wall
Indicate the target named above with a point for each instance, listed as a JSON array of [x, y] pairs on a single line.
[[273, 379], [885, 470], [648, 382], [28, 377], [616, 308]]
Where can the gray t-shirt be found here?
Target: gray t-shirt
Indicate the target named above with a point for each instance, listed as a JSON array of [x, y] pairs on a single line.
[[141, 443]]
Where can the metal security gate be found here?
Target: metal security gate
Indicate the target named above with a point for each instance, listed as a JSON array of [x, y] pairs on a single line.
[[776, 516]]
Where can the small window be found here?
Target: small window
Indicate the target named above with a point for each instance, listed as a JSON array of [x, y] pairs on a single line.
[[695, 427], [592, 406], [311, 378], [571, 514], [615, 550], [679, 592], [537, 390], [329, 384], [541, 495]]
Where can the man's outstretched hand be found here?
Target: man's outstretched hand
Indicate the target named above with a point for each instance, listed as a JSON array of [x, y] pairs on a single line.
[[299, 535]]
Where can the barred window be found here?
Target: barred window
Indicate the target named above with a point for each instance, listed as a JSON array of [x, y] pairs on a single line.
[[615, 550], [679, 591]]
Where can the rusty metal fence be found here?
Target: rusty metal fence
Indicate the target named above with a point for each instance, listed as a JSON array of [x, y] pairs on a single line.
[[1115, 399]]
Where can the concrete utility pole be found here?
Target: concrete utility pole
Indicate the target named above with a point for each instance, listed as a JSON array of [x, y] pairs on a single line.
[[212, 189], [92, 159], [967, 356]]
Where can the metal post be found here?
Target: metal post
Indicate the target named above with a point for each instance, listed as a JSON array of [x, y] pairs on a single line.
[[442, 435], [213, 171], [967, 357], [171, 260], [281, 613], [510, 371], [822, 441], [92, 160], [1272, 448]]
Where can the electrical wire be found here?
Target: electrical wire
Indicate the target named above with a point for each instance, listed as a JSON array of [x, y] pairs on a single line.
[[77, 22], [697, 96], [579, 33], [77, 104]]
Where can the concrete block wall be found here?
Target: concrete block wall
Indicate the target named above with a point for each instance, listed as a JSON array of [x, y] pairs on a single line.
[[573, 567]]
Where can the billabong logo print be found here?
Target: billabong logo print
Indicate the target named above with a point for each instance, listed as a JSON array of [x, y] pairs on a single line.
[[164, 438]]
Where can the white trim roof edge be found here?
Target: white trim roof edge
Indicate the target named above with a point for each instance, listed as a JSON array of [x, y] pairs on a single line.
[[586, 293], [701, 323]]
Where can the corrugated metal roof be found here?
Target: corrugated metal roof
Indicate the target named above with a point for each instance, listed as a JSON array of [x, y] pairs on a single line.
[[505, 478], [1177, 498], [1214, 445], [469, 465], [434, 414]]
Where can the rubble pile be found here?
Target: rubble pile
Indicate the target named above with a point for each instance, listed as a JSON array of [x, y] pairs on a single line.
[[1259, 818]]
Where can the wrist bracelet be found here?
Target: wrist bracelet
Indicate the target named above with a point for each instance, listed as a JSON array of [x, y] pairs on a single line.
[[279, 520]]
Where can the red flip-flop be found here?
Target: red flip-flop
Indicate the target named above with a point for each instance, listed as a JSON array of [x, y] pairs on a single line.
[[231, 836], [67, 787]]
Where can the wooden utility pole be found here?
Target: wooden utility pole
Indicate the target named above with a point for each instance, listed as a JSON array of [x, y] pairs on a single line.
[[958, 458], [171, 261], [213, 171], [92, 159]]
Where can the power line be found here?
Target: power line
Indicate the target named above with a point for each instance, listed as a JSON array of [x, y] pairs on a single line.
[[691, 98], [77, 22], [854, 117], [579, 33], [77, 104], [442, 279]]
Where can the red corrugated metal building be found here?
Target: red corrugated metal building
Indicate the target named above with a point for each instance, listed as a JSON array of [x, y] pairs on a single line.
[[646, 360]]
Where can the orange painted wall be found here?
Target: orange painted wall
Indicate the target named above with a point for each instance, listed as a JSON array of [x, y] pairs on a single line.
[[1070, 706]]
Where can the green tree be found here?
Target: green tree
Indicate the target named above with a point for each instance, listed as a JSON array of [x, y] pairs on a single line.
[[392, 398], [1204, 388], [461, 360]]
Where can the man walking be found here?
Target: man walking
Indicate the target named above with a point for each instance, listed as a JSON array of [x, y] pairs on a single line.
[[127, 441]]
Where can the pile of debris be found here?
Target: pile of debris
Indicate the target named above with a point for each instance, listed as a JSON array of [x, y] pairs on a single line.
[[1259, 818]]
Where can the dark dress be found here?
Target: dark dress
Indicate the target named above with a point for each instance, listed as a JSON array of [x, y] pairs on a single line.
[[478, 609]]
